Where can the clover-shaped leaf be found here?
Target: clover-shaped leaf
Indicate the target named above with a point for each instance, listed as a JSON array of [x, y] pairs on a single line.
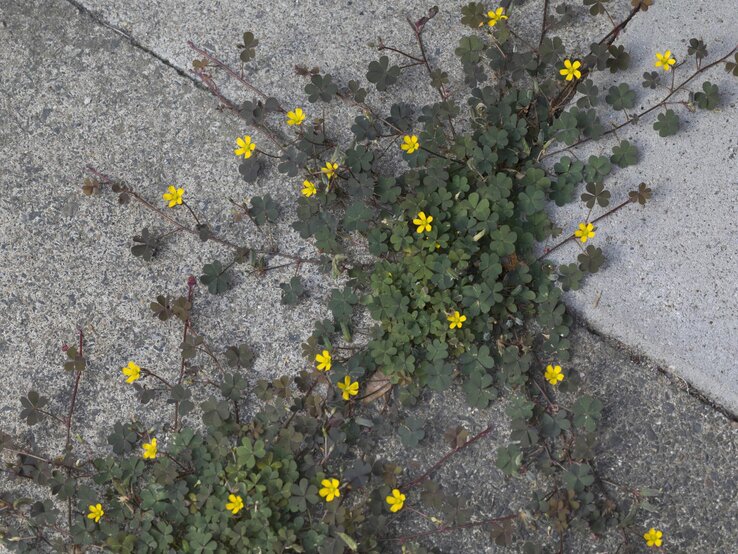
[[321, 88], [651, 79], [478, 389], [591, 259], [597, 168], [293, 291], [470, 49], [642, 195], [697, 48], [709, 98], [667, 123], [619, 59], [147, 245], [365, 129], [216, 277], [249, 169], [382, 74], [264, 209], [292, 161], [474, 15], [241, 356], [232, 386], [248, 48], [596, 7], [587, 412], [570, 277], [624, 154], [509, 459], [32, 407], [621, 97], [411, 432], [578, 476]]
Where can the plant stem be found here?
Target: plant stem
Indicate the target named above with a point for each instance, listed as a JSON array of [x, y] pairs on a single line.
[[547, 251], [74, 395], [664, 101], [445, 458], [229, 70]]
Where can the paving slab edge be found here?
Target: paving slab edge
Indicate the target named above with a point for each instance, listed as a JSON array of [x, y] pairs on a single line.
[[700, 389]]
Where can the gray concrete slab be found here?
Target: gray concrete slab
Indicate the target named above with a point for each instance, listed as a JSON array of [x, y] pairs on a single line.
[[75, 93], [669, 287]]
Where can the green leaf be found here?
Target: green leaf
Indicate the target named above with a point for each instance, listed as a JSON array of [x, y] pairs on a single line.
[[241, 356], [264, 209], [621, 97], [248, 48], [619, 59], [667, 123], [732, 67], [709, 99], [32, 404], [470, 49], [382, 74], [509, 459], [591, 259], [587, 412], [570, 277], [358, 217], [147, 245], [577, 477], [597, 168], [474, 15], [321, 88], [479, 390], [596, 193], [651, 79], [411, 432], [216, 277], [293, 291], [697, 48], [624, 154]]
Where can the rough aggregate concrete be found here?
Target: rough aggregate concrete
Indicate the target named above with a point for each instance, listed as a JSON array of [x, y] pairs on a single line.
[[76, 93], [673, 262]]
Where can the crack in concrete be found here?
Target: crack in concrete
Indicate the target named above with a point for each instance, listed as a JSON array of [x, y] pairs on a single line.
[[643, 360], [85, 11]]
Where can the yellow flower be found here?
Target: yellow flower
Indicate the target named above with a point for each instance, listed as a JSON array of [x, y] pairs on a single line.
[[571, 70], [324, 361], [330, 489], [132, 371], [173, 196], [308, 189], [553, 374], [295, 117], [330, 169], [653, 537], [234, 504], [245, 147], [396, 501], [410, 143], [423, 222], [149, 450], [349, 389], [96, 512], [495, 16], [456, 320], [585, 232], [666, 60]]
